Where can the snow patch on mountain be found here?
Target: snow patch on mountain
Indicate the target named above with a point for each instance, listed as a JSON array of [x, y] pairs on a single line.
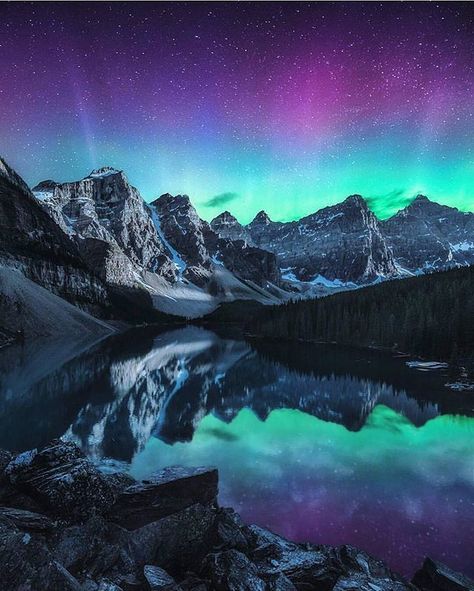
[[462, 246], [103, 172], [43, 195], [177, 259]]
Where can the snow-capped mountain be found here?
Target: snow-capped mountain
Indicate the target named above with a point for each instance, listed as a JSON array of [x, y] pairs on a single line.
[[86, 239], [163, 248], [225, 224], [345, 245], [104, 206], [35, 254], [427, 236], [201, 248], [341, 244]]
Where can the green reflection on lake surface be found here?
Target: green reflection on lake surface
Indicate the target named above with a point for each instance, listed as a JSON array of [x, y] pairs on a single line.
[[392, 488]]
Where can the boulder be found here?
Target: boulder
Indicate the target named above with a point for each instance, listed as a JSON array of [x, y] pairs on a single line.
[[62, 480], [360, 582], [305, 566], [232, 571], [128, 582], [159, 580], [106, 585], [194, 583], [318, 568], [166, 492], [436, 576], [27, 565], [119, 481], [177, 542], [229, 531], [95, 547], [26, 520], [281, 583]]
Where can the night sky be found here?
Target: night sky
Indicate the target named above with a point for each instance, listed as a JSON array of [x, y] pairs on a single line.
[[285, 107]]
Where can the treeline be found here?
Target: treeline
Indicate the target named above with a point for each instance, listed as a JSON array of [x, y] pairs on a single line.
[[430, 315]]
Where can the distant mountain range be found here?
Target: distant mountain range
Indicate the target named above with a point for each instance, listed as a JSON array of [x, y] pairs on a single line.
[[95, 241], [346, 245]]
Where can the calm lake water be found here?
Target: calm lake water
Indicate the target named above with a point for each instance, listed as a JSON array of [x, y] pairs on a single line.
[[315, 442]]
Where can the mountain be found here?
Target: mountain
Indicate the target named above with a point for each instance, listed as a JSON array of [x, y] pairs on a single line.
[[201, 248], [226, 225], [32, 243], [345, 245], [98, 244], [48, 253], [163, 249], [104, 207], [427, 236], [340, 244]]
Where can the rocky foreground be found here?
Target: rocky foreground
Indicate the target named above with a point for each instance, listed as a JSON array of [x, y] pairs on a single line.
[[65, 526]]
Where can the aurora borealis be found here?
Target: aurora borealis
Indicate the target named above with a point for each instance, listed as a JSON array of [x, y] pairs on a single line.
[[285, 107], [398, 491]]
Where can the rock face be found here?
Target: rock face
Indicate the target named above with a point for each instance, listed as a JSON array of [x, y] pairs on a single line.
[[32, 242], [165, 493], [227, 226], [163, 249], [158, 579], [59, 478], [105, 207], [340, 243], [126, 240], [435, 576], [346, 245], [200, 248], [190, 546], [99, 236], [427, 236]]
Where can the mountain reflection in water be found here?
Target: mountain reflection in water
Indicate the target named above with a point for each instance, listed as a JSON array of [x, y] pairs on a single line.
[[317, 442]]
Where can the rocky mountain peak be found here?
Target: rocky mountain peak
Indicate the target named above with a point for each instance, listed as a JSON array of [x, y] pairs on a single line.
[[225, 218], [227, 226], [11, 176], [262, 218], [102, 172], [421, 198], [103, 207], [167, 200], [45, 185], [45, 189], [424, 207], [428, 236], [356, 201]]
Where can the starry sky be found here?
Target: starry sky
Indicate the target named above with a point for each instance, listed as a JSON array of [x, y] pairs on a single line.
[[286, 107]]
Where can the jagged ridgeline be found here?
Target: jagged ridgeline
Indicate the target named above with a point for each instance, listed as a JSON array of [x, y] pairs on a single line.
[[430, 315], [97, 245]]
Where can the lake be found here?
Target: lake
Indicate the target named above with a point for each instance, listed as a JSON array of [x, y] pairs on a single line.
[[318, 443]]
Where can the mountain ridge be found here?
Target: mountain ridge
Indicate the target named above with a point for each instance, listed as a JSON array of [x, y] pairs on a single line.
[[188, 266], [162, 247], [412, 229]]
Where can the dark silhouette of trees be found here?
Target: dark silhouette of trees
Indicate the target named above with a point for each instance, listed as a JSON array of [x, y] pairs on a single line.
[[430, 315]]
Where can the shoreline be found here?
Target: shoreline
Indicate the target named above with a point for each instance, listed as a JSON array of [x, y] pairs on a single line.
[[64, 525]]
